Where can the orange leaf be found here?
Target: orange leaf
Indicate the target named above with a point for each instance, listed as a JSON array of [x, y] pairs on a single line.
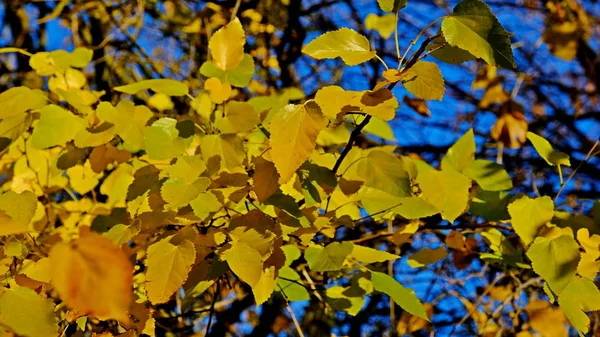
[[93, 276]]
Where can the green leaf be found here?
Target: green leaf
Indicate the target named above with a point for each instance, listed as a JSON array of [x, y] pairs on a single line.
[[162, 139], [447, 190], [288, 283], [489, 175], [427, 256], [16, 101], [27, 313], [328, 258], [345, 43], [164, 86], [238, 77], [178, 193], [404, 297], [461, 155], [491, 205], [441, 50], [344, 299], [424, 80], [385, 172], [129, 120], [529, 215], [56, 126], [555, 260], [474, 28], [545, 150], [392, 5], [579, 297], [375, 201], [369, 255]]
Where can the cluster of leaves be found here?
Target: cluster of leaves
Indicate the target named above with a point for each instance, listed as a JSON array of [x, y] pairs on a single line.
[[109, 211]]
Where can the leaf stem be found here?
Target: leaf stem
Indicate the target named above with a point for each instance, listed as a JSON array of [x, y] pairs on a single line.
[[382, 61], [413, 42], [588, 156]]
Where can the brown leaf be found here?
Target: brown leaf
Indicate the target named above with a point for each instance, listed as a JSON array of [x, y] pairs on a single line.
[[511, 127]]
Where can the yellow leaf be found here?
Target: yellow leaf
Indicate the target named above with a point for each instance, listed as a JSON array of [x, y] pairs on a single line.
[[56, 127], [345, 43], [93, 276], [511, 127], [16, 211], [168, 267], [239, 117], [129, 120], [228, 148], [265, 285], [16, 101], [41, 270], [380, 103], [82, 178], [424, 80], [227, 45], [219, 91], [161, 102], [294, 131], [426, 256], [244, 261], [332, 100], [163, 85], [384, 25], [27, 313]]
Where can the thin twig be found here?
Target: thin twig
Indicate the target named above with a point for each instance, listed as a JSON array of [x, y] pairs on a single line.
[[588, 156], [212, 306]]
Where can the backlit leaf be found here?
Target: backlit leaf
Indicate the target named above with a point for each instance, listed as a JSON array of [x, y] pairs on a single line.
[[369, 255], [555, 260], [168, 267], [385, 172], [423, 80], [391, 5], [227, 45], [579, 297], [529, 215], [489, 175], [545, 150], [404, 297], [350, 46], [461, 154], [162, 139], [328, 258], [384, 25], [447, 190], [55, 127], [27, 313], [129, 120], [474, 28], [164, 86], [16, 211], [18, 100], [294, 131], [244, 261], [93, 276]]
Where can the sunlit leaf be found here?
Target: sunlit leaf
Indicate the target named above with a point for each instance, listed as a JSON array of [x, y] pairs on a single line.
[[56, 127], [328, 258], [489, 175], [545, 150], [227, 45], [580, 296], [404, 297], [555, 260], [168, 267], [529, 215], [474, 28], [294, 131], [164, 86], [27, 313], [350, 46], [461, 154]]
